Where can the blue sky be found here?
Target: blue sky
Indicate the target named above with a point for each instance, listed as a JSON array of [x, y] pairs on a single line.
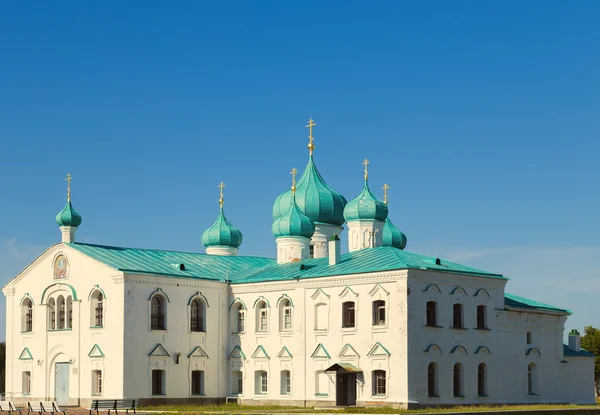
[[482, 117]]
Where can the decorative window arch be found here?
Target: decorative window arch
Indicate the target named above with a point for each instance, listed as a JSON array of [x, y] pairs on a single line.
[[433, 348], [482, 292], [458, 291], [158, 310], [262, 315], [433, 287], [27, 314], [237, 311], [97, 308], [285, 307], [197, 314], [460, 349]]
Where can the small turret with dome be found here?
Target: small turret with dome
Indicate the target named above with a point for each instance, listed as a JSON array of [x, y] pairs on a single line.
[[293, 230], [222, 238], [317, 200], [392, 236], [365, 215], [68, 219]]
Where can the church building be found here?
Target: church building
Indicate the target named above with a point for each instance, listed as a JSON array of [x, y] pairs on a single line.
[[377, 325]]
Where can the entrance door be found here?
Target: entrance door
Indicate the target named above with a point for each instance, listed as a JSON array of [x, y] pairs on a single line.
[[61, 383], [345, 389]]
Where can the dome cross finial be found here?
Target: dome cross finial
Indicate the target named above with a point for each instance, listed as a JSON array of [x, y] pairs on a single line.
[[221, 199], [385, 195], [310, 126], [293, 173], [366, 164], [68, 179]]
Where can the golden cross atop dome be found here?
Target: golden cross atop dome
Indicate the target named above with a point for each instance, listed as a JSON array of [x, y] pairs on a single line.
[[221, 200], [293, 173], [385, 196], [68, 179], [310, 126], [366, 164]]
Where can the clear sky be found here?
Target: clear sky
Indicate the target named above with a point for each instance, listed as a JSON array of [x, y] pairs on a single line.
[[483, 117]]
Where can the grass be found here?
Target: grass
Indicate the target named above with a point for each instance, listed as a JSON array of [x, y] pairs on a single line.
[[233, 408]]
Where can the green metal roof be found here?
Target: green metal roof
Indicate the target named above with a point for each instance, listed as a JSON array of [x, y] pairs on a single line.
[[514, 301], [572, 353], [242, 269]]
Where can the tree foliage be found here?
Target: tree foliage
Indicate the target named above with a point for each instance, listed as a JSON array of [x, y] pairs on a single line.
[[590, 341]]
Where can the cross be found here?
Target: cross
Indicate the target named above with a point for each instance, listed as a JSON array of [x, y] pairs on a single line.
[[293, 173], [310, 126], [221, 186], [366, 164], [68, 179], [385, 196]]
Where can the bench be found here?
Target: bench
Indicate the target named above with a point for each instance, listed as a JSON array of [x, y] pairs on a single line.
[[113, 405], [7, 406], [47, 406]]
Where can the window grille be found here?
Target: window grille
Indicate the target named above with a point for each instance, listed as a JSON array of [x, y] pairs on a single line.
[[311, 251], [197, 382], [457, 380], [348, 314], [29, 317], [432, 313], [481, 380], [379, 313], [99, 311], [432, 380], [197, 311], [379, 382], [158, 313], [457, 314], [96, 382], [481, 317], [263, 320]]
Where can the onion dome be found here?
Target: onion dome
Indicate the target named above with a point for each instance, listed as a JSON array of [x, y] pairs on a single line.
[[366, 206], [68, 216], [315, 198], [391, 236], [293, 223], [222, 233]]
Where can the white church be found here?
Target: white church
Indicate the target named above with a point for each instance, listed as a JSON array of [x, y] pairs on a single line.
[[375, 326]]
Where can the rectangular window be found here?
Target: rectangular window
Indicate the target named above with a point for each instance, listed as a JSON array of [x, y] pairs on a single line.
[[481, 317], [432, 314], [457, 316], [96, 382], [348, 314], [237, 383], [29, 320], [197, 382], [379, 383], [158, 382], [321, 316], [287, 318], [311, 251], [263, 320], [240, 321], [264, 387], [261, 382], [379, 313], [321, 383], [26, 383], [286, 382]]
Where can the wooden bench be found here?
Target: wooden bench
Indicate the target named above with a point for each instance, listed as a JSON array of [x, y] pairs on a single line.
[[7, 406], [113, 405], [41, 407]]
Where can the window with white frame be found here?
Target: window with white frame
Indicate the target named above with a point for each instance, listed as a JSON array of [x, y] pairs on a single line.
[[240, 316], [285, 315], [261, 382], [27, 315], [348, 316], [237, 382], [321, 383], [158, 313], [379, 313], [379, 385], [198, 315], [97, 309], [96, 382], [321, 317], [158, 382], [286, 382], [26, 378], [262, 316], [51, 314], [197, 382]]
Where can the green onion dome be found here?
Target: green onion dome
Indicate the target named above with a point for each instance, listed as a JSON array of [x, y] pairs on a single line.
[[68, 216], [392, 236], [315, 198], [366, 206], [293, 223], [222, 233]]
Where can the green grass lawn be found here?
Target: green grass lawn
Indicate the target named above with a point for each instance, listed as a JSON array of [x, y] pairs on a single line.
[[246, 409]]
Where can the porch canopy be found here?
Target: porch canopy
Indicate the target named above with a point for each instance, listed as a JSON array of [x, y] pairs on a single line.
[[343, 368]]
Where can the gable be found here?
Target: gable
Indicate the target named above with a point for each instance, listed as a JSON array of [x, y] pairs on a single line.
[[348, 292], [319, 293], [321, 352], [25, 355], [237, 353], [284, 353], [378, 288], [159, 351], [260, 353], [198, 352], [348, 351], [96, 351], [378, 350]]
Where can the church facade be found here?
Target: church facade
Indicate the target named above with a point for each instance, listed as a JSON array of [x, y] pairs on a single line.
[[376, 325]]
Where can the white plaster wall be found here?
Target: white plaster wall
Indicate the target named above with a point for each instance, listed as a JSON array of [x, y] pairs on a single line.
[[49, 347], [580, 380]]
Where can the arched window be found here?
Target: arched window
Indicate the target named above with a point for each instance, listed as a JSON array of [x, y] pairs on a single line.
[[379, 386], [97, 309], [51, 314], [532, 379], [529, 338], [286, 382], [285, 315], [379, 313], [482, 380], [321, 317], [481, 317], [62, 311], [431, 314], [240, 317], [457, 316], [198, 313], [158, 313], [262, 317], [69, 322], [348, 317], [458, 380], [27, 315], [432, 380]]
